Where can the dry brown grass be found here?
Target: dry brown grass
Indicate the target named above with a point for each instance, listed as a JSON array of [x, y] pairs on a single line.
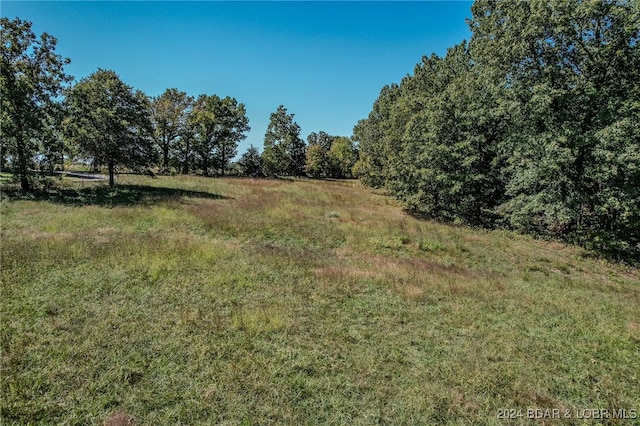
[[414, 292], [119, 419]]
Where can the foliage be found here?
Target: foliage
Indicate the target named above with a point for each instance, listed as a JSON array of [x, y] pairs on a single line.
[[220, 123], [251, 162], [322, 139], [342, 156], [184, 156], [446, 164], [532, 125], [284, 151], [330, 156], [31, 79], [109, 122], [574, 90], [169, 117], [317, 163], [378, 138]]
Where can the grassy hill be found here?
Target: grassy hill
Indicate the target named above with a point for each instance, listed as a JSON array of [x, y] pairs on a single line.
[[183, 300]]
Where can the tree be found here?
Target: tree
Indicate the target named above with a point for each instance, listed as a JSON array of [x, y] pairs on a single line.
[[234, 125], [51, 145], [317, 161], [532, 125], [220, 124], [31, 79], [342, 156], [572, 70], [184, 151], [318, 165], [378, 137], [447, 166], [330, 156], [110, 123], [251, 162], [169, 115], [284, 151], [321, 139]]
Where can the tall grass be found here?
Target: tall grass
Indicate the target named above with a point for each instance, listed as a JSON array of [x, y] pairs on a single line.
[[184, 300]]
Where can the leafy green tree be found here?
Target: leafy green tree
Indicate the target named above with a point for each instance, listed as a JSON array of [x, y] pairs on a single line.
[[572, 70], [205, 120], [317, 162], [378, 137], [342, 156], [251, 162], [234, 125], [433, 140], [532, 125], [284, 151], [108, 121], [220, 124], [52, 147], [321, 139], [184, 148], [31, 79], [448, 164], [169, 115]]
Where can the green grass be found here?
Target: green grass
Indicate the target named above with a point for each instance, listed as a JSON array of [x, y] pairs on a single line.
[[184, 300]]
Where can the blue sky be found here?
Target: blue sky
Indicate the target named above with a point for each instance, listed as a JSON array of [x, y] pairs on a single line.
[[324, 61]]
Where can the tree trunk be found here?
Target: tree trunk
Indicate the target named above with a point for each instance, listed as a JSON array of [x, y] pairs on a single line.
[[24, 183], [165, 154], [22, 164], [112, 182], [185, 165]]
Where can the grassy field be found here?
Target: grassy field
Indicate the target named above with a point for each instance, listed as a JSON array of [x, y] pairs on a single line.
[[184, 300]]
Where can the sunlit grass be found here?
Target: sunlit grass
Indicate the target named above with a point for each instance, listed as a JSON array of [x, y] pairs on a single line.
[[230, 301]]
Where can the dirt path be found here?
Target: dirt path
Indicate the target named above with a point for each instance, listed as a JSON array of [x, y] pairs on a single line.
[[83, 175]]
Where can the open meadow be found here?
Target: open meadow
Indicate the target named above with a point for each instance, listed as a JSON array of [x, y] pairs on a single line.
[[189, 300]]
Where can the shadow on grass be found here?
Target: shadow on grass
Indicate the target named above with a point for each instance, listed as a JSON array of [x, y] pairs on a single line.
[[103, 195]]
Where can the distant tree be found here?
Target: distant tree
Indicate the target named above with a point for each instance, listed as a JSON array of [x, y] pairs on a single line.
[[251, 162], [317, 162], [341, 157], [184, 149], [169, 115], [318, 165], [220, 123], [234, 125], [284, 151], [321, 139], [109, 122], [31, 78], [330, 156], [378, 138]]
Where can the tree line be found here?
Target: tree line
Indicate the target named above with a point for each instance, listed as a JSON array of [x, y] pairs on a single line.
[[532, 125], [45, 119]]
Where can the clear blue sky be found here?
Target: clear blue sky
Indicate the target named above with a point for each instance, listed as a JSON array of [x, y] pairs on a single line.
[[324, 61]]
